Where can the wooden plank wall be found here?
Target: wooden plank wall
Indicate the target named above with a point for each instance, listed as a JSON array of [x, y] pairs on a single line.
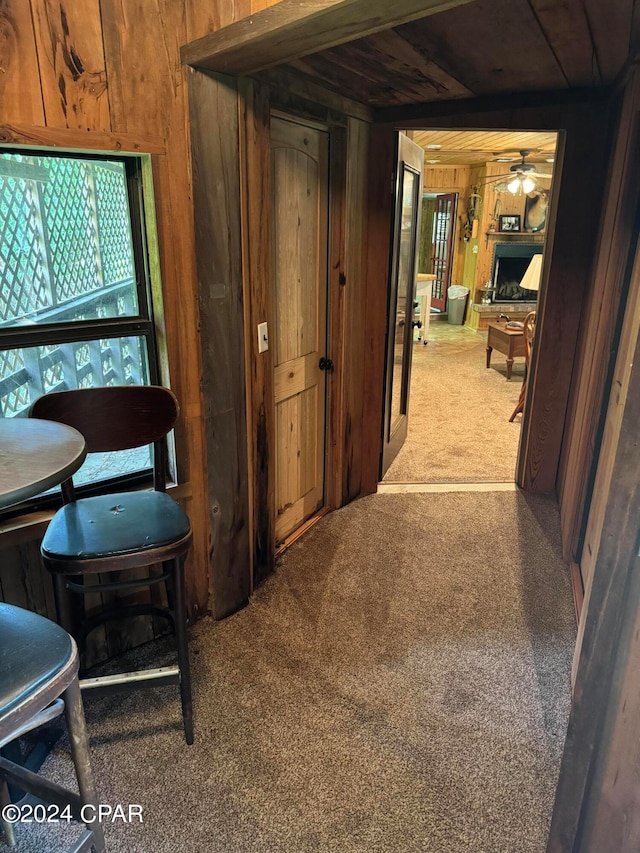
[[597, 346], [611, 328], [596, 806], [86, 72]]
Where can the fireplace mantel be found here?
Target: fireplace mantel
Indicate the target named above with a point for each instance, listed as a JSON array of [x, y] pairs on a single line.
[[507, 236]]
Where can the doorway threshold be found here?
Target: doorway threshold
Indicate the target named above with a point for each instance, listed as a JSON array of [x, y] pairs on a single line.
[[425, 488]]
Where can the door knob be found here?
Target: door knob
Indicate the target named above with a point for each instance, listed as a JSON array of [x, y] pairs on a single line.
[[325, 364]]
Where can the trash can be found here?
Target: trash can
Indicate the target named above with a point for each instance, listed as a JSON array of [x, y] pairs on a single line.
[[456, 303]]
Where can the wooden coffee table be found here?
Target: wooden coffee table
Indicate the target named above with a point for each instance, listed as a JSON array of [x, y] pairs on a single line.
[[509, 342]]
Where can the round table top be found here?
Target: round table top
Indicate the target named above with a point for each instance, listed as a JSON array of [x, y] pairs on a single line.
[[35, 455]]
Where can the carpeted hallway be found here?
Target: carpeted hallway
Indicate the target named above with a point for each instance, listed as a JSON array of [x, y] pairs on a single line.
[[459, 412], [400, 684]]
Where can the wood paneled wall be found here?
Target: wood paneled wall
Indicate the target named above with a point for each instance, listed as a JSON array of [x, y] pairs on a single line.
[[83, 74], [596, 806], [597, 346]]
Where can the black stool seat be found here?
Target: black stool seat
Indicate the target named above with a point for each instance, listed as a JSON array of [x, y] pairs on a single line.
[[33, 650], [114, 524]]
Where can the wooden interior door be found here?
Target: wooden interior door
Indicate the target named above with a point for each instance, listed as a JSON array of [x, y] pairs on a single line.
[[441, 262], [402, 288], [299, 339]]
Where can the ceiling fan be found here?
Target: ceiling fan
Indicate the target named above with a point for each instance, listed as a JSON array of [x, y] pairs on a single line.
[[521, 176]]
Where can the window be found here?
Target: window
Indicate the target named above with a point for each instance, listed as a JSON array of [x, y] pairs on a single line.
[[75, 306]]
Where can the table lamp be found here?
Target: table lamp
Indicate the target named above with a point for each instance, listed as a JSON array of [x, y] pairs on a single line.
[[531, 278]]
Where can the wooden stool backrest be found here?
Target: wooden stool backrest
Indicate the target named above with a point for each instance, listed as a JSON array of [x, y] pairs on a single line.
[[116, 418]]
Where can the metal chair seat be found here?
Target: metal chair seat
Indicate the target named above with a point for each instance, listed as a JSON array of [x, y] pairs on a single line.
[[38, 680], [33, 650]]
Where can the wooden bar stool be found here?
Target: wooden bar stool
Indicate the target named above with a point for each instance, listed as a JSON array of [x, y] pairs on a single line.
[[39, 666], [116, 532]]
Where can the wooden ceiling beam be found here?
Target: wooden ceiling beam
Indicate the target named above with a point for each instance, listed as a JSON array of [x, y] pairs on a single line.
[[408, 116], [290, 30]]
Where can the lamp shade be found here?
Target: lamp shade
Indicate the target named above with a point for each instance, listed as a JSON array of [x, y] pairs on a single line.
[[531, 278]]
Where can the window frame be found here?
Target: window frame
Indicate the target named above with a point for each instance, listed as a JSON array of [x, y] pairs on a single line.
[[142, 325]]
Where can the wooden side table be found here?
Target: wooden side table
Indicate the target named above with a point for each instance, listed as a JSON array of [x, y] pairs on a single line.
[[509, 342], [36, 455]]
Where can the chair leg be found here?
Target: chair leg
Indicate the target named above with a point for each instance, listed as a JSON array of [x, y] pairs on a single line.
[[64, 607], [5, 800], [168, 568], [74, 713], [520, 404], [183, 648]]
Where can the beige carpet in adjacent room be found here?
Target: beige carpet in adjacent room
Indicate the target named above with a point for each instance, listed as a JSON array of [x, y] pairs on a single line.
[[459, 412], [400, 684]]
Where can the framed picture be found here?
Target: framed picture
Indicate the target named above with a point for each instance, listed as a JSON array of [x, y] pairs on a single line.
[[509, 222]]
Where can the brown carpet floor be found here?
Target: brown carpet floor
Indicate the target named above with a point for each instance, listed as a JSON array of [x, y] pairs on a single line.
[[400, 684], [459, 412]]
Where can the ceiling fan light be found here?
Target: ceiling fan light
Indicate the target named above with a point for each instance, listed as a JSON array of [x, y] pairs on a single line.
[[528, 184], [514, 185]]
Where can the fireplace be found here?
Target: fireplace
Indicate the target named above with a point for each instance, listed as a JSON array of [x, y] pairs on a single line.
[[510, 262]]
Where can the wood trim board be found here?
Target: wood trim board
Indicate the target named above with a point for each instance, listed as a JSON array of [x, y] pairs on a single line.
[[291, 29], [78, 140], [255, 176], [213, 102]]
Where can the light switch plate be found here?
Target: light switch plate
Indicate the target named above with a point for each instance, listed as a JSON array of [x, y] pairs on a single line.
[[263, 337]]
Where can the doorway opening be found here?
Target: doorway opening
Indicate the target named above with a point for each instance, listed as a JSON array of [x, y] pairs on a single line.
[[482, 231]]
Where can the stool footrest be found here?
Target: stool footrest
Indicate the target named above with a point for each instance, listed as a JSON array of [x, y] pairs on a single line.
[[84, 844], [54, 710], [157, 677], [117, 613], [40, 787]]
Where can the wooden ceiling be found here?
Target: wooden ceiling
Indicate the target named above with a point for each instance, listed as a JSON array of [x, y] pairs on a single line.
[[466, 148], [486, 47], [384, 54]]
